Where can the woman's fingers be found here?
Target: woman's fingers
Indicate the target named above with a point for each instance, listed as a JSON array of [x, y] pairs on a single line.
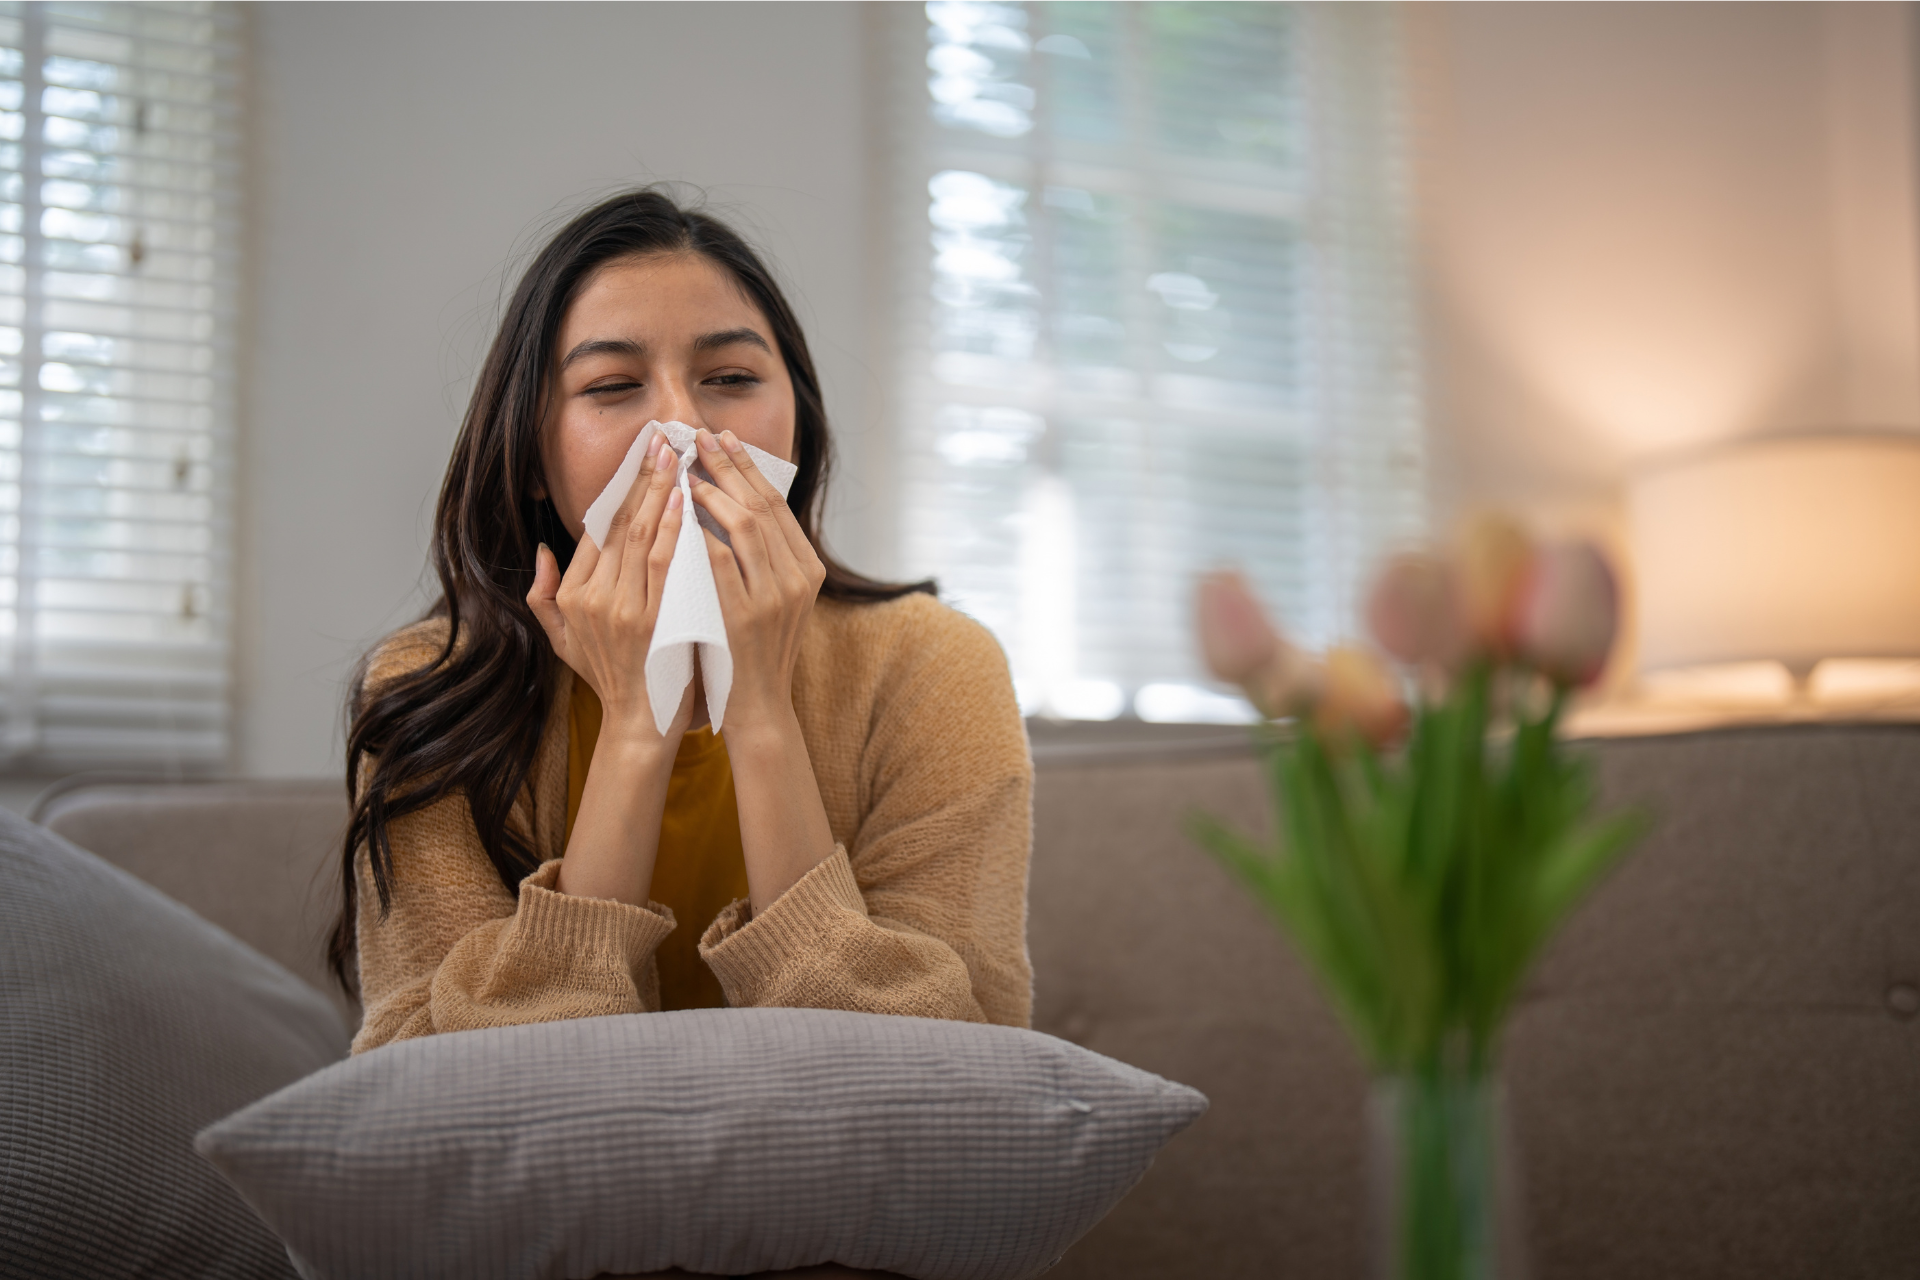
[[620, 528], [661, 556], [749, 470], [608, 583], [767, 580], [543, 599], [748, 515], [727, 459], [645, 530], [744, 529]]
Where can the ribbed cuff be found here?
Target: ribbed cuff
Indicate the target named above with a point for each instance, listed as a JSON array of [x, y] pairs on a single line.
[[747, 956], [574, 926]]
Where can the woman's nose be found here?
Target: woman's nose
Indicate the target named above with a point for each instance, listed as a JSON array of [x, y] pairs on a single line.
[[676, 403]]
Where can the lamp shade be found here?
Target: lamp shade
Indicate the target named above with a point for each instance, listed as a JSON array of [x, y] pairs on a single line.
[[1790, 550]]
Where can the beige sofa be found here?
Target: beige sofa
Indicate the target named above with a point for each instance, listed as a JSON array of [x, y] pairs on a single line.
[[1716, 1071]]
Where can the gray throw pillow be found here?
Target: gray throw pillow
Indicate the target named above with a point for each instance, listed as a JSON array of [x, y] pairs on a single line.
[[722, 1141], [127, 1023]]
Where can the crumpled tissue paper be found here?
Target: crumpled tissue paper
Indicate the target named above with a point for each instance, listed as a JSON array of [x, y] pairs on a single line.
[[690, 605]]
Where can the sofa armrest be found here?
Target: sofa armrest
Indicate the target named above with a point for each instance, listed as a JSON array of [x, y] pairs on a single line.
[[258, 858]]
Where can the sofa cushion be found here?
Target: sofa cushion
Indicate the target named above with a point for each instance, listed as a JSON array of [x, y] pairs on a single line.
[[261, 859], [723, 1141], [126, 1024]]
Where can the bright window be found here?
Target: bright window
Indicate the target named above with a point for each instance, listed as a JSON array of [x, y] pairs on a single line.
[[118, 250], [1155, 318]]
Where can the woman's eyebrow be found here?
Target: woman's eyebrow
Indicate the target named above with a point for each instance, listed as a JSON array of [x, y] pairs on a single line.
[[728, 338], [604, 347]]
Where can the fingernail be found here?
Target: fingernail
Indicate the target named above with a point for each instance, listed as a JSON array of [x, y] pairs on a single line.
[[673, 500], [733, 445], [708, 440]]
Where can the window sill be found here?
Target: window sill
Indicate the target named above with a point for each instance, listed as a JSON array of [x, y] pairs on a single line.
[[1069, 743]]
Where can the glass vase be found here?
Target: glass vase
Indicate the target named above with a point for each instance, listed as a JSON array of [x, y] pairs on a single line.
[[1445, 1195]]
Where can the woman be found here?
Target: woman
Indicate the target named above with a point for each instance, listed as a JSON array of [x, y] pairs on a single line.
[[525, 844]]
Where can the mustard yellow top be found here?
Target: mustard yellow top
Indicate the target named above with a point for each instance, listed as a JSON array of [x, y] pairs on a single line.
[[700, 868]]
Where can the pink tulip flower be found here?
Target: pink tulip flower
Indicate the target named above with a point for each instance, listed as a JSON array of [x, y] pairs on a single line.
[[1493, 558], [1360, 697], [1242, 647], [1236, 638], [1289, 685], [1415, 611], [1570, 610]]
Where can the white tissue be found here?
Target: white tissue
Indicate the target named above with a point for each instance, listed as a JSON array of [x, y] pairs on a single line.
[[690, 602]]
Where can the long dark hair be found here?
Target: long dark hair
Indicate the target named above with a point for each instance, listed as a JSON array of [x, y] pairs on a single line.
[[468, 723]]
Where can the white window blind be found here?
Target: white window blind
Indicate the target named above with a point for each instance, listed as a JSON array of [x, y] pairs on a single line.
[[1156, 317], [118, 254]]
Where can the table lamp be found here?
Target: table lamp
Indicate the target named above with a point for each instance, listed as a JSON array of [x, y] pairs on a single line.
[[1800, 551]]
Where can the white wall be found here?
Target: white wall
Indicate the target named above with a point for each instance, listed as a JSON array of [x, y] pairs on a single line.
[[1652, 227], [402, 154]]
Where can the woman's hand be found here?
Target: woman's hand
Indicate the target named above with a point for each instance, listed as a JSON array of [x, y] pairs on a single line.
[[767, 582], [600, 617]]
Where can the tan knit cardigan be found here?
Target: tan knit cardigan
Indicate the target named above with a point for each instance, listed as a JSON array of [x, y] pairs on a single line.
[[917, 744]]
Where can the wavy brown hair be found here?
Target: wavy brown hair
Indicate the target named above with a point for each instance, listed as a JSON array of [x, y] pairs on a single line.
[[468, 722]]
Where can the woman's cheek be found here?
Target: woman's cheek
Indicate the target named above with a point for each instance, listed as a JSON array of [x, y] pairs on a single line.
[[589, 455], [772, 432]]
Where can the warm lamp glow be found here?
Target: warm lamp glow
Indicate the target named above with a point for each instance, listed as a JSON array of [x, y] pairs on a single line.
[[1732, 685], [1850, 681], [1792, 551]]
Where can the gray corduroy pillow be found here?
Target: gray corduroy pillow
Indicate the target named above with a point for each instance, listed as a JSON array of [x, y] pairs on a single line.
[[127, 1023], [722, 1141]]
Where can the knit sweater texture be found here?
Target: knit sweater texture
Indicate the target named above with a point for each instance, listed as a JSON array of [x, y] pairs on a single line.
[[917, 745]]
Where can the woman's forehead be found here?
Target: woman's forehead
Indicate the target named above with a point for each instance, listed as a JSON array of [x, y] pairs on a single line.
[[660, 296]]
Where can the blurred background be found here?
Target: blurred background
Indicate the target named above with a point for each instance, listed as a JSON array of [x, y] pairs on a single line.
[[1102, 295]]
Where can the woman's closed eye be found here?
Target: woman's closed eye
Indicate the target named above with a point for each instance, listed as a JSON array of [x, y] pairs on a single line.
[[727, 381], [612, 388]]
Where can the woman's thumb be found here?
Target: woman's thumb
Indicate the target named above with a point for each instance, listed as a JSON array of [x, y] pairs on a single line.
[[542, 599]]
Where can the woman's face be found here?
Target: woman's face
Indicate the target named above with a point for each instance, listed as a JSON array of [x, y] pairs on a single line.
[[671, 338]]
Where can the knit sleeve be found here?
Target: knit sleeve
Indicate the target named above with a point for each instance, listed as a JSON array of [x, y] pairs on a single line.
[[454, 950], [923, 911]]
